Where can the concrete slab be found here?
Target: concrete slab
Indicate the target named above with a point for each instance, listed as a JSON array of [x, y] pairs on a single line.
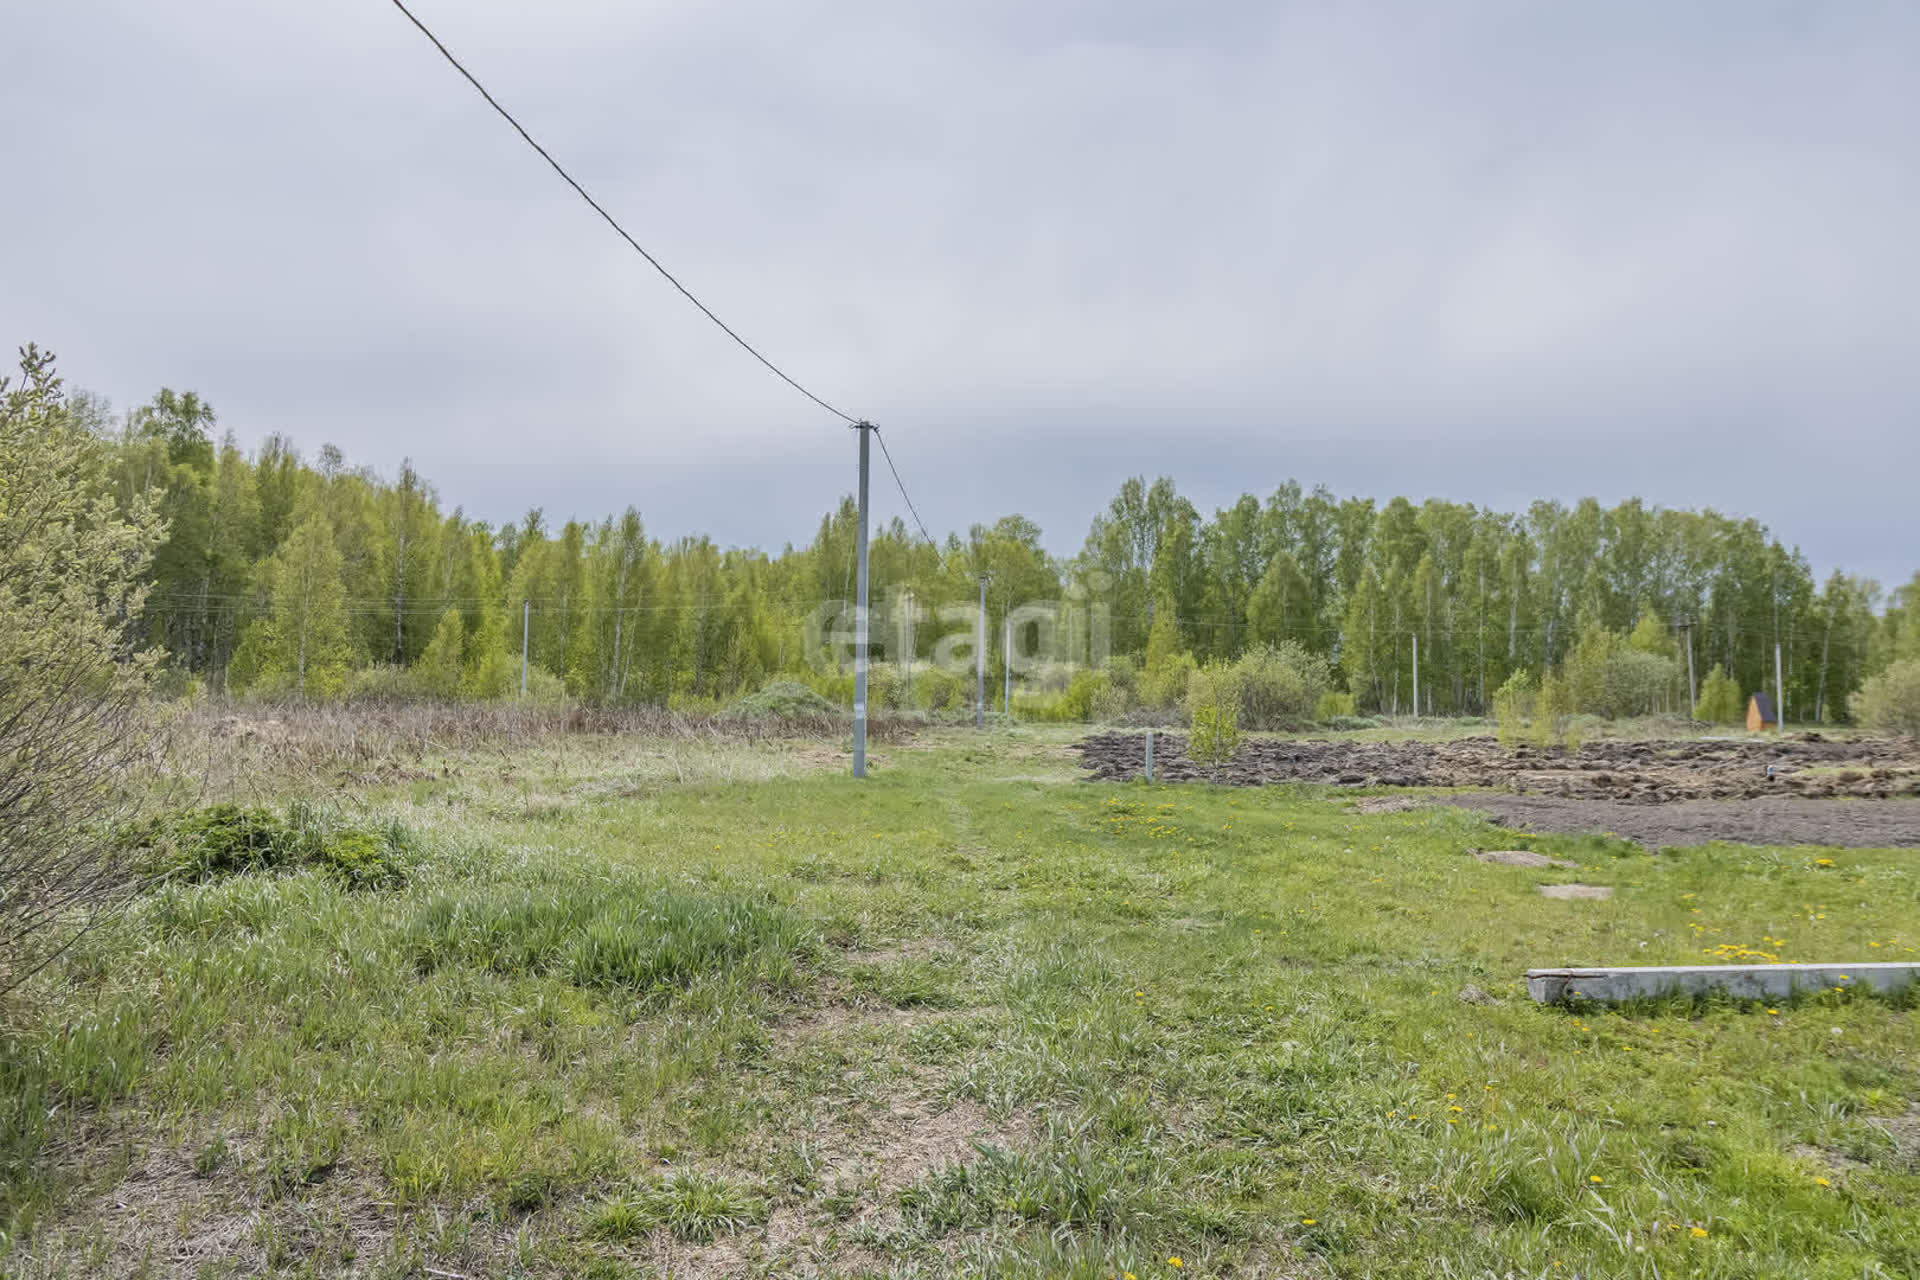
[[1742, 981]]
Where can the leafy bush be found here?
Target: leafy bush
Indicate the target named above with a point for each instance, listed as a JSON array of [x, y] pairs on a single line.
[[1215, 735], [1334, 705], [1720, 700], [1513, 707], [1890, 701], [226, 839], [786, 700]]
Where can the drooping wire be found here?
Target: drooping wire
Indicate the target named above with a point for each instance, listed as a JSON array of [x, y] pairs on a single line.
[[652, 261], [901, 485]]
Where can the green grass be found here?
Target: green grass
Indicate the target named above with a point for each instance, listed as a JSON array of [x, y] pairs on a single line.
[[970, 1017]]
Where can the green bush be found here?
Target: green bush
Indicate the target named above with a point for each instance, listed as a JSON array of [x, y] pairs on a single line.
[[1513, 708], [785, 700], [1334, 705], [226, 839], [1720, 700], [1215, 736], [1890, 701]]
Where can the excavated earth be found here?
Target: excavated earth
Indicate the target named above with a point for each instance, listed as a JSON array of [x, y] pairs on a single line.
[[1789, 788]]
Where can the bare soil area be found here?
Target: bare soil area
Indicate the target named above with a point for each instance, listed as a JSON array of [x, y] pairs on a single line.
[[1786, 790], [1649, 773], [1774, 820]]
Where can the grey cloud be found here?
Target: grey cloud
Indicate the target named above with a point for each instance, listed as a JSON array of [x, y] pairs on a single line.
[[1487, 251]]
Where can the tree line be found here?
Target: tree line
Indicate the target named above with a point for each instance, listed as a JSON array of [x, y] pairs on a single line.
[[280, 574]]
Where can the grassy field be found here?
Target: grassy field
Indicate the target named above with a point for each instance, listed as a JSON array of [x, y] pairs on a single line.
[[659, 1008]]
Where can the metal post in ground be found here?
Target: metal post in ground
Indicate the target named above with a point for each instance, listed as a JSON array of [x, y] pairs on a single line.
[[526, 627], [1149, 755], [864, 430], [980, 661]]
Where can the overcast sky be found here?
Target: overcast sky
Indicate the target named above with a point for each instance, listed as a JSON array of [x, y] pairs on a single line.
[[1480, 251]]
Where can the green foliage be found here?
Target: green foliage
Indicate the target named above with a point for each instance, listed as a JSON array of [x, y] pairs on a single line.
[[690, 1205], [1169, 668], [439, 668], [1890, 701], [307, 645], [1215, 734], [225, 840], [624, 935], [1514, 707], [72, 683], [1720, 700], [1334, 704], [786, 700]]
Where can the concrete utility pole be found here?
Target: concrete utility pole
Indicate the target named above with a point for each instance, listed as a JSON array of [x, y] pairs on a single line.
[[1693, 694], [526, 627], [1416, 675], [1779, 689], [906, 647], [1006, 657], [865, 429], [980, 662]]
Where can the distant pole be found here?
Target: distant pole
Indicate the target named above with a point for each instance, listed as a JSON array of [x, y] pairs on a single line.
[[1416, 675], [1149, 755], [865, 429], [980, 662], [907, 647], [1006, 657], [1693, 692], [1779, 689], [526, 628]]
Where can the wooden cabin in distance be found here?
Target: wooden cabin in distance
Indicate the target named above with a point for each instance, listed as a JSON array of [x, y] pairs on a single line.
[[1760, 714]]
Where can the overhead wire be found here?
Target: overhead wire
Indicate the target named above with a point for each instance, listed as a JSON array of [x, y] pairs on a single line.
[[613, 222]]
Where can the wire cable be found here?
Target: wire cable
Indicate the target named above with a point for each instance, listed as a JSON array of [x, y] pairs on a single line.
[[901, 485], [654, 262]]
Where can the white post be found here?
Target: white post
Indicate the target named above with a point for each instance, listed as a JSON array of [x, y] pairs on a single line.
[[1006, 658], [980, 661], [1416, 675], [1779, 689], [526, 627], [863, 429]]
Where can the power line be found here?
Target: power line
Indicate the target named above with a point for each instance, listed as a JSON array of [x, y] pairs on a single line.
[[654, 262], [901, 485]]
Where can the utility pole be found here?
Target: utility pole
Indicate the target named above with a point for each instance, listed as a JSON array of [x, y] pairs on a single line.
[[1693, 693], [1779, 689], [906, 647], [1416, 675], [865, 429], [980, 662], [1006, 656], [526, 627]]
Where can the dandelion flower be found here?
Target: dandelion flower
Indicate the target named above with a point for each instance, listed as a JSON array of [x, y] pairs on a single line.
[[1175, 1262], [1823, 1182], [1307, 1222], [1593, 1177], [1699, 1233]]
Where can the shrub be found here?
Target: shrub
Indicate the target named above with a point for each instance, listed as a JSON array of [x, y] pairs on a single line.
[[1215, 735], [226, 839], [73, 686], [1890, 701], [1513, 707], [1720, 700], [785, 700], [1334, 705]]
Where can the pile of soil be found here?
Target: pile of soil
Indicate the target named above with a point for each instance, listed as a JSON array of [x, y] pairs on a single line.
[[1769, 820], [1807, 766]]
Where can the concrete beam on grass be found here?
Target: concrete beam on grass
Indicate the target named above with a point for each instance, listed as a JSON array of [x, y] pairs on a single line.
[[1741, 981]]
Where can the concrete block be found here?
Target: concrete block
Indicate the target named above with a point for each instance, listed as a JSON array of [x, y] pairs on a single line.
[[1742, 981]]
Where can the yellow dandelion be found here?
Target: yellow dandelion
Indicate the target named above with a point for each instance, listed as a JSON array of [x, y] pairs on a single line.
[[1593, 1177], [1699, 1233], [1307, 1222], [1823, 1182], [1175, 1262]]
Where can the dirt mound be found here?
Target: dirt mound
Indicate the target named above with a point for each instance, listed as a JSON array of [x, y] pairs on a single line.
[[1645, 773], [1769, 820]]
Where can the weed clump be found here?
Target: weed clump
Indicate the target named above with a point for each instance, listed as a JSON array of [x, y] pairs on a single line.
[[222, 840], [691, 1205], [624, 938], [785, 700]]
